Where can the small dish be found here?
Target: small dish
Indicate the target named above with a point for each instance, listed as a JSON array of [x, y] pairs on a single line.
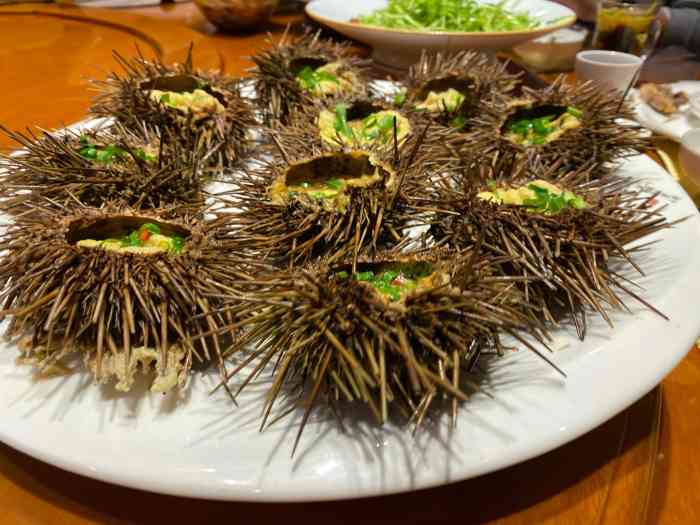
[[398, 49], [671, 126], [611, 68]]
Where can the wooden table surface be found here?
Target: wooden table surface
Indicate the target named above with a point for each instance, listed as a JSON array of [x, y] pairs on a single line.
[[640, 467]]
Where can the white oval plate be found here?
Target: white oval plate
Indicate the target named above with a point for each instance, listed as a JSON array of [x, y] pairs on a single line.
[[673, 126], [399, 48], [202, 446]]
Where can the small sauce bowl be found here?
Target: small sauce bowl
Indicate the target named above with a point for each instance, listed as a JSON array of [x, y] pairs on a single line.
[[612, 68]]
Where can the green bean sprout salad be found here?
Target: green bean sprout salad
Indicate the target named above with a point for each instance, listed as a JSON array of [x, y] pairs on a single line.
[[450, 15]]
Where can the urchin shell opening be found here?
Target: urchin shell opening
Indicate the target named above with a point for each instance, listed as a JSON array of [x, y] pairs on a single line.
[[392, 280], [366, 124], [297, 64], [535, 194], [325, 179], [344, 166], [116, 227], [438, 85], [181, 84], [362, 109], [532, 112], [377, 267]]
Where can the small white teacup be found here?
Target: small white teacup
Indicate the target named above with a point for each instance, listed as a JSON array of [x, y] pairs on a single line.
[[611, 68]]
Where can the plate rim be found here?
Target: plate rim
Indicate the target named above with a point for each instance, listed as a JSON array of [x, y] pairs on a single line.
[[214, 490]]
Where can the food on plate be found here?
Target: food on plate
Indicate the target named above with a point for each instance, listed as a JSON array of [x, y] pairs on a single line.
[[126, 290], [347, 124], [581, 128], [296, 71], [537, 196], [531, 129], [145, 167], [661, 98], [352, 122], [198, 109], [317, 200], [145, 240], [450, 15], [566, 241], [452, 89], [397, 333], [370, 251]]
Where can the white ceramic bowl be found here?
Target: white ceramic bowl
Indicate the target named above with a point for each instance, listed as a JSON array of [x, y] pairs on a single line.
[[611, 68], [400, 48]]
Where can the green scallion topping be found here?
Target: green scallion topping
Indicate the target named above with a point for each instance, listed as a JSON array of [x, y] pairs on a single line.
[[550, 203], [310, 78]]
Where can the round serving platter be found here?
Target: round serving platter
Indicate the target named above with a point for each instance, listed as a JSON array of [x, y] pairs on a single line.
[[199, 444]]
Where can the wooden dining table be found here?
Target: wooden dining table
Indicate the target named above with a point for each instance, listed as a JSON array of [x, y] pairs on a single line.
[[640, 467]]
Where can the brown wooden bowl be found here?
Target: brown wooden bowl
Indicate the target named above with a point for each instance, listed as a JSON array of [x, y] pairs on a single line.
[[237, 15]]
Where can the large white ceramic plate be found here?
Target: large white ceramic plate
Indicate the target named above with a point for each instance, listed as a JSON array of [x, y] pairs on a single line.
[[673, 126], [202, 446], [399, 48]]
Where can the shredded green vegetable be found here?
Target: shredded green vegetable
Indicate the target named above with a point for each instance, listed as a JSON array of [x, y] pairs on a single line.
[[391, 282], [373, 127], [310, 78], [107, 154], [450, 15], [550, 203]]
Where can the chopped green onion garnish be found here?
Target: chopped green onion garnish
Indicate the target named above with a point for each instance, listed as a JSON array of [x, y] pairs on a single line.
[[309, 78], [153, 228], [551, 203], [178, 243], [335, 184], [458, 122], [341, 121]]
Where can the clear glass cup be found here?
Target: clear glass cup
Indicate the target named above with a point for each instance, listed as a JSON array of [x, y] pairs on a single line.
[[624, 26]]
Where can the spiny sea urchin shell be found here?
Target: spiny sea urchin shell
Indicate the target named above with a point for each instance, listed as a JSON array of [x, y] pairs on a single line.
[[396, 334], [317, 200], [197, 107], [120, 287], [474, 78], [573, 126], [354, 121], [294, 71], [95, 166], [568, 240]]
